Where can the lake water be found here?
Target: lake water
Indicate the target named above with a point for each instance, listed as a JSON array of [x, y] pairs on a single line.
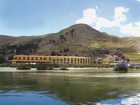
[[40, 88]]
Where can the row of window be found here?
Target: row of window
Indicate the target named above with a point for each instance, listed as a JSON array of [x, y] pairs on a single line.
[[30, 58], [72, 61], [57, 60]]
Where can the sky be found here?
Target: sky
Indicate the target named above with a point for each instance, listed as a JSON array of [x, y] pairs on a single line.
[[37, 17]]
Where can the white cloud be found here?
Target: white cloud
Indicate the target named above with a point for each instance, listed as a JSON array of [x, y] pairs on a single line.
[[138, 0], [131, 29], [103, 23], [89, 17], [119, 17], [119, 14]]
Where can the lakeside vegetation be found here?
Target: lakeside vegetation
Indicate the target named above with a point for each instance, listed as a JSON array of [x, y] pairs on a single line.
[[133, 57]]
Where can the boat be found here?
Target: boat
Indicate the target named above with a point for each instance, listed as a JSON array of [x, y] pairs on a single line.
[[122, 67]]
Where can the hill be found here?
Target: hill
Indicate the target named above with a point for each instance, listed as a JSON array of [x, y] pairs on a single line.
[[79, 39]]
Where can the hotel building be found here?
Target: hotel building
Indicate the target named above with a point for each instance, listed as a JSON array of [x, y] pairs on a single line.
[[72, 60]]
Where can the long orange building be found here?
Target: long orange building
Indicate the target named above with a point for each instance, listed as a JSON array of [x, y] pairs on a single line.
[[51, 59]]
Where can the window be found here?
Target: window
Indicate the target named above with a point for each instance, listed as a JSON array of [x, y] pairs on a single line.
[[23, 58], [72, 61], [28, 58], [64, 59], [81, 61], [36, 58], [53, 60], [86, 61], [78, 60], [61, 60], [19, 58], [75, 60]]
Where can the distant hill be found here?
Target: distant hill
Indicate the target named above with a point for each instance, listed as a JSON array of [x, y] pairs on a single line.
[[79, 39]]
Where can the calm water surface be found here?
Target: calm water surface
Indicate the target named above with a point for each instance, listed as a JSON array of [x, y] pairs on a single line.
[[34, 88]]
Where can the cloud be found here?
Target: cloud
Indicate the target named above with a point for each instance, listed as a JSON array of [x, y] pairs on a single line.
[[138, 0], [103, 23], [90, 17], [119, 17], [119, 14], [131, 29]]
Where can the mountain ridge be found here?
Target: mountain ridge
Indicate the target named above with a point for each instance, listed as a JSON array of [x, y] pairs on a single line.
[[78, 39]]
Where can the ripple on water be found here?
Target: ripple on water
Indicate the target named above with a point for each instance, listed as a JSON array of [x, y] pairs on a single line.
[[115, 75], [130, 100]]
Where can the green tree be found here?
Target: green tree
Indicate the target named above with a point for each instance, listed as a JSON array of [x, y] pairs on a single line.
[[2, 59]]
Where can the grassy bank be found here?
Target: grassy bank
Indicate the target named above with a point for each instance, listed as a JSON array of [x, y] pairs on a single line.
[[133, 57], [7, 65]]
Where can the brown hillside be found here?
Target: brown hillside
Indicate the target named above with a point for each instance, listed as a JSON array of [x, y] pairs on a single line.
[[79, 39]]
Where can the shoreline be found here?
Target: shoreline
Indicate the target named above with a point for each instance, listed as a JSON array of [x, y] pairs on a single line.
[[70, 70], [83, 73]]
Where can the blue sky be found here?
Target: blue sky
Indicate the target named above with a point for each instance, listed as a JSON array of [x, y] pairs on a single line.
[[36, 17]]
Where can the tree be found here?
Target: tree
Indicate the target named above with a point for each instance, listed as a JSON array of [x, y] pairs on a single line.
[[53, 53], [2, 59]]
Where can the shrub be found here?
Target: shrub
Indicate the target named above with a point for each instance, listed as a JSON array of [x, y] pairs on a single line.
[[63, 68], [23, 67], [2, 59], [43, 66]]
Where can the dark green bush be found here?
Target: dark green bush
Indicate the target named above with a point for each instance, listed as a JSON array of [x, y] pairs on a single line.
[[2, 59], [23, 67], [43, 66], [63, 68]]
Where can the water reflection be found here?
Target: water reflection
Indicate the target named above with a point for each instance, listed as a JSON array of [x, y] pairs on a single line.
[[42, 89], [28, 98]]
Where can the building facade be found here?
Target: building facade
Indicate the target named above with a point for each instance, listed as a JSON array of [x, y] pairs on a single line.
[[73, 60]]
